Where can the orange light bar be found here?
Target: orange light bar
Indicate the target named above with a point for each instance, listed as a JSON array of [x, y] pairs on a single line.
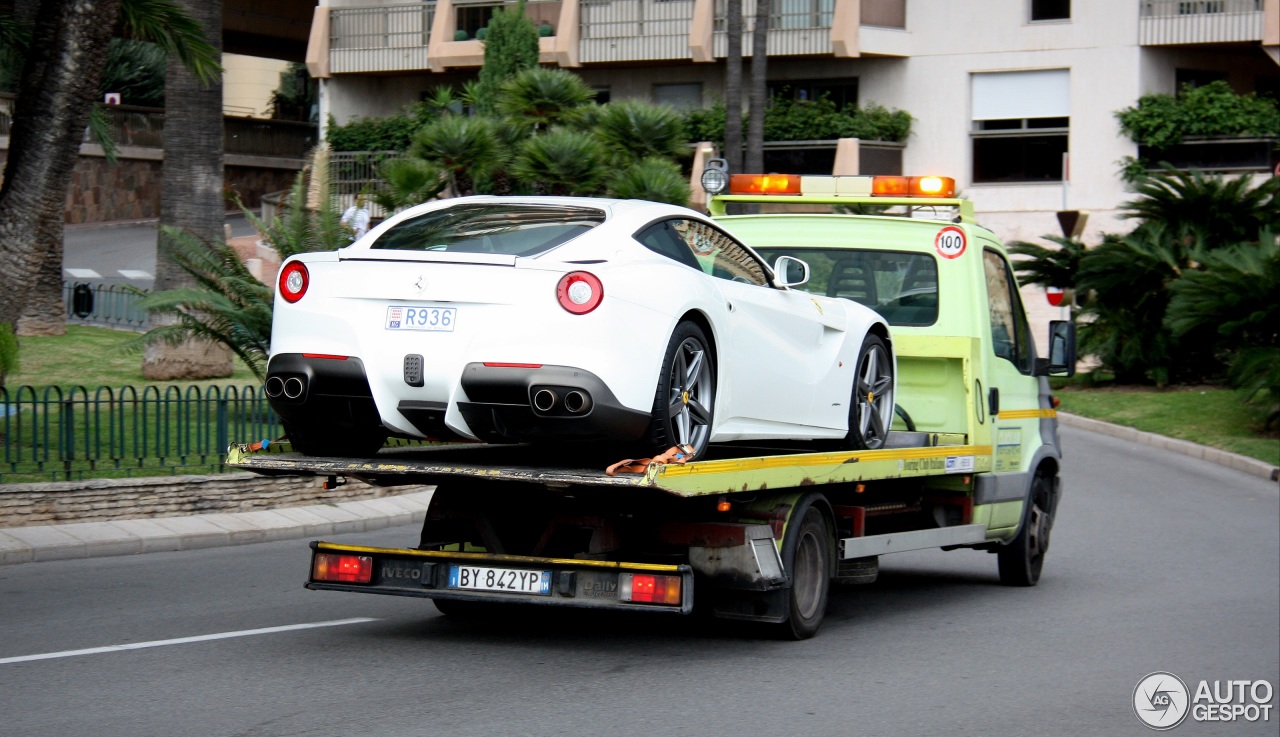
[[886, 186], [764, 184]]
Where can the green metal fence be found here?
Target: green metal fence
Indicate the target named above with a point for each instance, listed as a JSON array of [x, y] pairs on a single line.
[[52, 433]]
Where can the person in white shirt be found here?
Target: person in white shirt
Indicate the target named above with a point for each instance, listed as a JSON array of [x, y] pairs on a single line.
[[356, 219]]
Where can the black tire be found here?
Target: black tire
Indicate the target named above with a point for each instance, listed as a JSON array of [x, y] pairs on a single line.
[[871, 407], [807, 555], [340, 441], [1022, 559], [684, 402]]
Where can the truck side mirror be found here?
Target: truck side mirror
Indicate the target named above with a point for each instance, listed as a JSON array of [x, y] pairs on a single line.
[[1062, 350], [790, 272]]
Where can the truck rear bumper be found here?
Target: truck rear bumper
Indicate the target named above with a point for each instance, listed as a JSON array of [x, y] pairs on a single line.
[[514, 579]]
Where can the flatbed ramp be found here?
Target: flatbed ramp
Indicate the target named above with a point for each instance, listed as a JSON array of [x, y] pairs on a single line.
[[727, 468]]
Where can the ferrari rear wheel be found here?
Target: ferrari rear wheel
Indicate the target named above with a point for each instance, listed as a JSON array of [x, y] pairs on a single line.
[[871, 407], [684, 402]]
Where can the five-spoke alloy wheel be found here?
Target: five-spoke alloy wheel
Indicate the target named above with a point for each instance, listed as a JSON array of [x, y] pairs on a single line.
[[871, 407], [684, 402]]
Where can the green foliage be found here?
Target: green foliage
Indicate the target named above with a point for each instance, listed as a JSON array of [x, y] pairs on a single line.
[[632, 130], [8, 352], [391, 133], [1214, 210], [561, 162], [788, 119], [510, 47], [295, 95], [167, 24], [136, 70], [1210, 110], [655, 179], [462, 147], [542, 97], [1049, 267], [227, 305], [309, 219], [408, 181]]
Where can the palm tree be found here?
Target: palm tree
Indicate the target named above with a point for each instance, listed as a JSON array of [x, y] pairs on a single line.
[[1215, 209], [191, 196], [733, 86], [561, 162], [462, 147], [758, 101], [1049, 267], [542, 97], [632, 130], [655, 179], [58, 85]]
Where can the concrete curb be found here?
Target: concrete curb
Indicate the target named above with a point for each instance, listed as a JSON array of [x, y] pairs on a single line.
[[1251, 466], [132, 536]]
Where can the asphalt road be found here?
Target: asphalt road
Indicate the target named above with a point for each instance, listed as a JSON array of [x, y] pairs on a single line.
[[1159, 563], [119, 253]]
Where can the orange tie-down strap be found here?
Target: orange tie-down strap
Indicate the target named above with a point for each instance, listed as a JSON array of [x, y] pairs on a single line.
[[678, 454]]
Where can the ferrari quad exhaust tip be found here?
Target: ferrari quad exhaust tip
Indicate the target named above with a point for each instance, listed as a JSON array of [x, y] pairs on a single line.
[[577, 402], [274, 386], [293, 387], [544, 400]]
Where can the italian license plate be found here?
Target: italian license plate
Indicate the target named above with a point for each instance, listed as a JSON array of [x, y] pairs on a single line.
[[514, 580], [422, 318]]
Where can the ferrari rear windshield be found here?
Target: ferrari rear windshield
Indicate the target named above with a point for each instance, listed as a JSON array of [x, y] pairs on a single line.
[[512, 230]]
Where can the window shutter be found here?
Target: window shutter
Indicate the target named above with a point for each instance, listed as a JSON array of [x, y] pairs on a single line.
[[1016, 95]]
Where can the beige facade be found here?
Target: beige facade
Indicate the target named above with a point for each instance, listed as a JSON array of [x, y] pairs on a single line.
[[967, 71], [247, 84]]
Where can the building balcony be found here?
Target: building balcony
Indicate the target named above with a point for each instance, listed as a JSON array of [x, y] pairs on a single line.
[[1185, 22], [441, 34]]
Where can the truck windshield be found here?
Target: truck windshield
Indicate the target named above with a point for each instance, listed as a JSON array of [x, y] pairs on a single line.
[[901, 286], [513, 230]]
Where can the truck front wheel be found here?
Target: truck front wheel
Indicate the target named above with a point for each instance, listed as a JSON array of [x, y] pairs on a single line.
[[1022, 560], [807, 555]]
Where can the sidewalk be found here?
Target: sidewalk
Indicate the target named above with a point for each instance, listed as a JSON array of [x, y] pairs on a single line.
[[128, 537]]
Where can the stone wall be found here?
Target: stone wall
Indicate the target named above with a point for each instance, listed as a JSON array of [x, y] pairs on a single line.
[[130, 188], [100, 500]]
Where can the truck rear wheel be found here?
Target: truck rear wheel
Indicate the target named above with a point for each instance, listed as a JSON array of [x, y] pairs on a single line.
[[1022, 560], [807, 555]]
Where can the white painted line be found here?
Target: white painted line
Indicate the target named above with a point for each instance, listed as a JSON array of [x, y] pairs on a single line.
[[184, 640], [134, 274], [83, 273]]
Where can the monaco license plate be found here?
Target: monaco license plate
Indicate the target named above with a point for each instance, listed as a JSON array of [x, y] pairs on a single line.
[[422, 318], [513, 580]]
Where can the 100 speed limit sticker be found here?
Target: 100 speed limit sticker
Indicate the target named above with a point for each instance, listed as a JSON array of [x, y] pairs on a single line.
[[950, 242]]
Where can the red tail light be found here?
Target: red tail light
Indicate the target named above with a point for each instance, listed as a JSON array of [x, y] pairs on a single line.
[[648, 588], [342, 568], [294, 280], [579, 292]]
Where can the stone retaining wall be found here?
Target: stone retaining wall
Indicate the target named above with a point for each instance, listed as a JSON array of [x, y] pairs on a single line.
[[100, 500]]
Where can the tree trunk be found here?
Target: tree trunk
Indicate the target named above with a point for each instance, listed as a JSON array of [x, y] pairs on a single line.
[[759, 88], [58, 86], [46, 312], [733, 87], [191, 196]]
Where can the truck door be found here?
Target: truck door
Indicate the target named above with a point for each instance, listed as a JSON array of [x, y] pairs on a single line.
[[1012, 396]]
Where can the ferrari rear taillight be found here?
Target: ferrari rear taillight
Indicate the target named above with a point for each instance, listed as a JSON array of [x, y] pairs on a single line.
[[293, 281], [579, 292]]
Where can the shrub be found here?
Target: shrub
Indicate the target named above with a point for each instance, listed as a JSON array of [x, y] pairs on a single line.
[[1161, 120]]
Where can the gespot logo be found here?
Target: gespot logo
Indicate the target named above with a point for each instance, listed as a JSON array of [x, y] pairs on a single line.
[[1161, 700]]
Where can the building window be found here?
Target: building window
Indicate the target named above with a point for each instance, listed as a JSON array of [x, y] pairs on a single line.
[[602, 95], [1050, 10], [1020, 126], [679, 96]]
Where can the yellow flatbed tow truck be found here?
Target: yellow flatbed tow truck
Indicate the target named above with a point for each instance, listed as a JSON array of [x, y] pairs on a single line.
[[759, 531]]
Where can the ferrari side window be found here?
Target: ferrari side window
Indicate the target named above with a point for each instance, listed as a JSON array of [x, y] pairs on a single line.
[[663, 239], [719, 255]]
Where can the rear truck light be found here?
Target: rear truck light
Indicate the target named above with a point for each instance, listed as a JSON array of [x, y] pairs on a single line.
[[294, 280], [579, 292], [647, 588], [335, 568]]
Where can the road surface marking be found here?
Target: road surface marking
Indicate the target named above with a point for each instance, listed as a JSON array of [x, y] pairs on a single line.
[[183, 640], [83, 273], [134, 274]]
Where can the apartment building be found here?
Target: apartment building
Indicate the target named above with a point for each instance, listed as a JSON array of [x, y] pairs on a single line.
[[1014, 98]]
